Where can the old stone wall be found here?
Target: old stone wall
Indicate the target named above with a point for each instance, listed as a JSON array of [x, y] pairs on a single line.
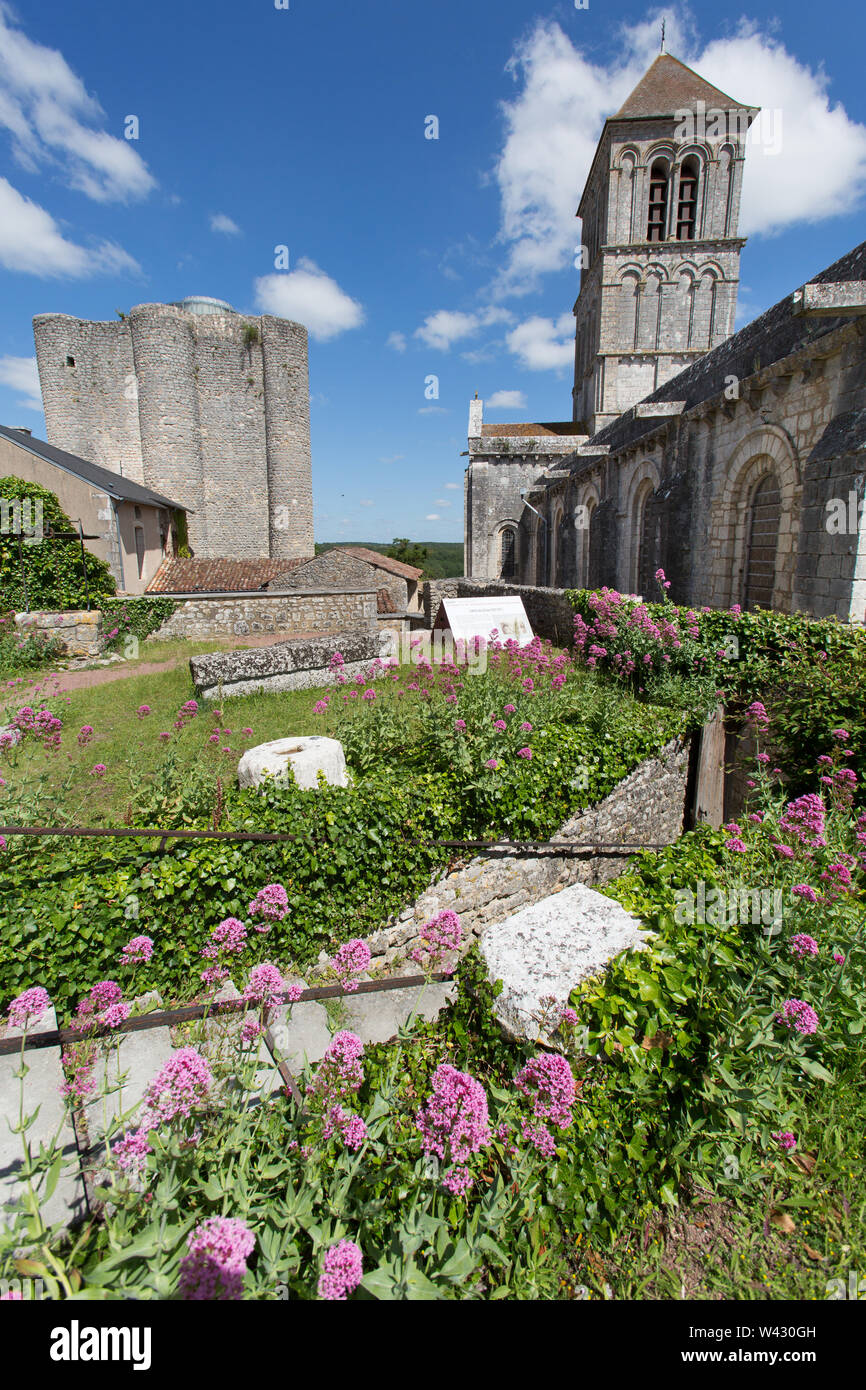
[[300, 663], [549, 612], [230, 615], [80, 631], [648, 807]]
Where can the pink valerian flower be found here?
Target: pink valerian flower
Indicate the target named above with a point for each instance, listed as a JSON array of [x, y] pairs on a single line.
[[458, 1180], [98, 770], [454, 1118], [785, 1139], [526, 727], [783, 851], [342, 1271], [799, 1015], [547, 1081], [509, 709], [252, 1029], [756, 714], [181, 1084], [436, 939], [838, 879], [842, 735], [352, 959], [320, 707], [79, 1080], [804, 820], [524, 753], [491, 764], [103, 1007], [803, 890], [369, 695], [736, 846], [28, 1008], [460, 725], [227, 938], [213, 738], [346, 1124], [540, 1137], [838, 958], [164, 735], [138, 951], [131, 1151], [500, 725], [271, 902], [143, 711], [340, 1073], [265, 986], [214, 1269], [85, 734], [803, 945], [247, 733]]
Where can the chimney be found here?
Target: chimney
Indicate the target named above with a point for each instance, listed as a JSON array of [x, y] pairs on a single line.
[[22, 429], [476, 413]]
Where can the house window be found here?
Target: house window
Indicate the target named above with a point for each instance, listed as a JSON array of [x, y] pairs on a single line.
[[139, 549], [70, 361], [658, 202], [687, 203], [507, 552]]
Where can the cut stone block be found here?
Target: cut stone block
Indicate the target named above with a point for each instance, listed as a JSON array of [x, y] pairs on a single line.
[[138, 1058], [301, 759], [548, 948], [41, 1088], [378, 1017]]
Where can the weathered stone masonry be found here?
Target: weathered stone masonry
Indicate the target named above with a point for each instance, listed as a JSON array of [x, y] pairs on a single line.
[[230, 615], [209, 407]]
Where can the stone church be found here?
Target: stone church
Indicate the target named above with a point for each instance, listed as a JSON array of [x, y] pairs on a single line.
[[733, 461]]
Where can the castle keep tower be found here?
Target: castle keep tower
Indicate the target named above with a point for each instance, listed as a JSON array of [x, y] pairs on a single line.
[[660, 260], [196, 402]]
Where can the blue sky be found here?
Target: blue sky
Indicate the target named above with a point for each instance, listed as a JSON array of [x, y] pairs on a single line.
[[409, 257]]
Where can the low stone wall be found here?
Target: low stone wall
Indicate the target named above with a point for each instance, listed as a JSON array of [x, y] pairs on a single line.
[[549, 612], [236, 615], [296, 664], [647, 807], [79, 631]]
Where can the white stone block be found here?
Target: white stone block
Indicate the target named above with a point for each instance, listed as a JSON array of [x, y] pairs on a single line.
[[299, 758]]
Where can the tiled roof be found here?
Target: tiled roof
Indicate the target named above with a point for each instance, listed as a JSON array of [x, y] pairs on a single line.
[[179, 576], [567, 427], [669, 86], [114, 484], [382, 562]]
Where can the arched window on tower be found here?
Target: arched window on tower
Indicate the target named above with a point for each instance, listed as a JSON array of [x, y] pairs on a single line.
[[657, 221], [687, 202], [507, 552]]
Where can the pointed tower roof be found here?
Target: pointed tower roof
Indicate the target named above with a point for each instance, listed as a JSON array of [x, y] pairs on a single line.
[[669, 86]]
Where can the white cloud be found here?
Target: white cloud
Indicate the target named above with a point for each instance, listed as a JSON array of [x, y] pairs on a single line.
[[394, 458], [452, 485], [20, 374], [540, 344], [366, 502], [221, 223], [447, 326], [432, 516], [397, 341], [310, 297], [52, 118], [553, 125], [442, 502], [432, 410], [507, 400], [31, 241]]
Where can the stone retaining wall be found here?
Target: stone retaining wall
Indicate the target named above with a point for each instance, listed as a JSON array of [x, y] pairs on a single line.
[[549, 612], [647, 807], [79, 631], [299, 663], [231, 615]]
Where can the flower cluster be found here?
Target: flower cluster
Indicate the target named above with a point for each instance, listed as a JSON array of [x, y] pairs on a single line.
[[351, 960], [29, 1007], [272, 903], [436, 940], [340, 1073], [138, 951], [798, 1015], [803, 945], [217, 1261], [181, 1084], [103, 1007], [342, 1270], [454, 1121]]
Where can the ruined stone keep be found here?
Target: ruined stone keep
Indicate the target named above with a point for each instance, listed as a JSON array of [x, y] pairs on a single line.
[[196, 401]]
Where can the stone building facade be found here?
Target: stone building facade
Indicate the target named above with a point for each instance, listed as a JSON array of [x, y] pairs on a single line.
[[360, 568], [733, 462], [196, 401]]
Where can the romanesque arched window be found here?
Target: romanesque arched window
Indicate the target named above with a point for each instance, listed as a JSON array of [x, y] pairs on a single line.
[[762, 541], [589, 559], [657, 220], [646, 530], [541, 552], [687, 201], [508, 552], [560, 578]]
